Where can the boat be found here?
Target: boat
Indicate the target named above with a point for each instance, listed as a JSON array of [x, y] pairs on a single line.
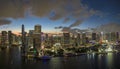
[[45, 57]]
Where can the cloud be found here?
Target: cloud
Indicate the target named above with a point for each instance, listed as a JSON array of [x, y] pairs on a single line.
[[74, 31], [43, 8], [66, 19], [109, 27], [76, 23], [4, 22], [11, 8], [58, 27], [66, 29]]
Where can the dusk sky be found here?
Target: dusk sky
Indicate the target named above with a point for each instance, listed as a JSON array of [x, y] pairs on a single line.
[[60, 14]]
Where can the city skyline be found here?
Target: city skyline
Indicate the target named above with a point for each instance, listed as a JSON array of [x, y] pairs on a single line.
[[57, 15]]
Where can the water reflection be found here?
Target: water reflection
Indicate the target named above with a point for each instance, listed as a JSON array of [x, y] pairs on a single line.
[[109, 60], [11, 59]]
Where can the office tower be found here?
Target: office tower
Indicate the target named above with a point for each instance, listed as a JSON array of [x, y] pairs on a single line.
[[78, 39], [10, 39], [30, 38], [31, 32], [93, 36], [117, 36], [98, 36], [113, 36], [4, 38], [37, 29], [15, 39], [51, 41], [66, 38], [108, 36], [84, 38], [46, 36], [72, 40], [37, 37], [23, 40]]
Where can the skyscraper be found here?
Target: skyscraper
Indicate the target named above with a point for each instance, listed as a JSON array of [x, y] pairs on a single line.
[[4, 38], [78, 39], [30, 38], [84, 38], [10, 39], [37, 37], [23, 40], [93, 36], [37, 29], [117, 36], [66, 37]]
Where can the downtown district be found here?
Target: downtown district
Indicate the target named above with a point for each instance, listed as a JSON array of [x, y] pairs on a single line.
[[36, 43]]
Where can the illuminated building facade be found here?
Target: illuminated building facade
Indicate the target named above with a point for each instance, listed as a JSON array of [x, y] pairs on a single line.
[[4, 38], [10, 39], [37, 37], [66, 38]]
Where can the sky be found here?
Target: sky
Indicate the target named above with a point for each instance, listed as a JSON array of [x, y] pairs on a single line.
[[60, 15]]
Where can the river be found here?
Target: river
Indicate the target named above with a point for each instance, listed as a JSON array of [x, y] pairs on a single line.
[[11, 59]]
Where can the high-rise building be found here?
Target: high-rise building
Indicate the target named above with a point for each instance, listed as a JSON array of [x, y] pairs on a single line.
[[108, 36], [72, 39], [66, 38], [78, 39], [37, 37], [37, 29], [23, 40], [46, 36], [10, 39], [4, 38], [98, 36], [31, 32], [117, 36], [30, 38], [93, 36], [113, 36], [84, 38]]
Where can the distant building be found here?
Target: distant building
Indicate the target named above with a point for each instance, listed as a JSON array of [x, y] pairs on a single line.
[[108, 36], [94, 36], [4, 38], [30, 38], [113, 36], [46, 36], [84, 38], [98, 36], [10, 38], [117, 36], [66, 38], [31, 32], [78, 39]]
